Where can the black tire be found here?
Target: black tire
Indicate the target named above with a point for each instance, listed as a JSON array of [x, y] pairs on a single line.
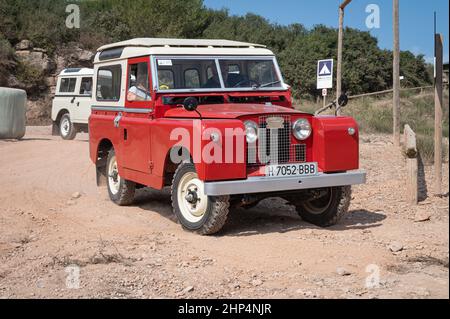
[[67, 129], [217, 208], [327, 210], [126, 189]]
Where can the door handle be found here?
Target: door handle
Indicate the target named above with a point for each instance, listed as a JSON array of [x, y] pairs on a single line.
[[117, 120]]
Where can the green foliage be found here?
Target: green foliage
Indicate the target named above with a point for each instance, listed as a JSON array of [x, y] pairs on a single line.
[[367, 68], [6, 60], [29, 75]]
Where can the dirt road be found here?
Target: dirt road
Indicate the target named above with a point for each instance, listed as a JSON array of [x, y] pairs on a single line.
[[52, 242]]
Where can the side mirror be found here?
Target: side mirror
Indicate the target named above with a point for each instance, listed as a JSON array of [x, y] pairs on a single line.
[[343, 100], [190, 104]]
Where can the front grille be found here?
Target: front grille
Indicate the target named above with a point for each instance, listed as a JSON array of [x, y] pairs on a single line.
[[274, 145]]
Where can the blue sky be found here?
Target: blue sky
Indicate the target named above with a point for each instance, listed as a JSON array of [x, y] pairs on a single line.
[[416, 18]]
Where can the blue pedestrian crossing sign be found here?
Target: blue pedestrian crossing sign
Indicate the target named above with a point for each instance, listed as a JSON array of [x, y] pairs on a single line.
[[325, 74]]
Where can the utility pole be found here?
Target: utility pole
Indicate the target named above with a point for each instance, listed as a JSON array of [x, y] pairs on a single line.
[[438, 113], [340, 49], [396, 75]]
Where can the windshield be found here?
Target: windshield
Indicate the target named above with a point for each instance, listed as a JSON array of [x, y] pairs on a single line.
[[202, 74]]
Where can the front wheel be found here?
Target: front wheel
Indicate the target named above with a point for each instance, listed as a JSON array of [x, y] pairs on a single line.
[[67, 129], [197, 212], [326, 206], [121, 191]]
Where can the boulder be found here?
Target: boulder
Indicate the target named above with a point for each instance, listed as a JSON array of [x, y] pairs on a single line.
[[37, 59], [24, 45]]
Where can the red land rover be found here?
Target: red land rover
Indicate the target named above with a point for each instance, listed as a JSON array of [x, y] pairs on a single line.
[[213, 119]]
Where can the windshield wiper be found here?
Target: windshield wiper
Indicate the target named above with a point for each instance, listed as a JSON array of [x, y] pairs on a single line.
[[269, 84]]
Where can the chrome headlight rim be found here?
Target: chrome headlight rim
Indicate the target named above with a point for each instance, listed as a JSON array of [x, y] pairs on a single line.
[[305, 129], [251, 131]]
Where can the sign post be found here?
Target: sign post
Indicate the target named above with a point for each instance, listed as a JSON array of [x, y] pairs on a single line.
[[325, 77], [324, 95], [438, 102]]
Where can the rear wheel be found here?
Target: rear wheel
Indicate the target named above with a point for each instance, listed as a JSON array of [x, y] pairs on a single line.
[[197, 212], [66, 128], [121, 191], [326, 206]]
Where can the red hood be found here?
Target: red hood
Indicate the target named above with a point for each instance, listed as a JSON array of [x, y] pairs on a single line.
[[228, 111]]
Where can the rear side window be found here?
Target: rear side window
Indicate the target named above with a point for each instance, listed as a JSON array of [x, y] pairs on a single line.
[[108, 83], [86, 86], [67, 85]]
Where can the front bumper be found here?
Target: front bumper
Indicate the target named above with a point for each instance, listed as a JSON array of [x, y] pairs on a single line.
[[254, 185]]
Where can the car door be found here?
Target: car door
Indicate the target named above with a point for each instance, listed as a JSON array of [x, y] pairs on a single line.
[[137, 117], [84, 99]]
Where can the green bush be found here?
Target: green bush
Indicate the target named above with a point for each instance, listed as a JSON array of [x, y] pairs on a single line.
[[30, 75]]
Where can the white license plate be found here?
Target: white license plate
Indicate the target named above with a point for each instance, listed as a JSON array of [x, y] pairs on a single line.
[[286, 170]]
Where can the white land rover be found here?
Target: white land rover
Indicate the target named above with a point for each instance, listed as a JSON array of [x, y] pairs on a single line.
[[72, 102]]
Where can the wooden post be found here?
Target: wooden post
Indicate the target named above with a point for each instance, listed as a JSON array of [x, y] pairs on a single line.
[[396, 75], [412, 166], [340, 49], [438, 116]]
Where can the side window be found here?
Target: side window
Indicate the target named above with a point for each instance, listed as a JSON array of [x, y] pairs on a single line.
[[108, 83], [67, 85], [86, 86], [138, 82], [166, 80], [191, 79]]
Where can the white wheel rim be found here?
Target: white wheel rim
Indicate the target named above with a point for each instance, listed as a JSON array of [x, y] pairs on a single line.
[[113, 176], [192, 200], [65, 126]]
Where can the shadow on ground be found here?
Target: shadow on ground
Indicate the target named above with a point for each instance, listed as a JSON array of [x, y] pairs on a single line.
[[272, 215]]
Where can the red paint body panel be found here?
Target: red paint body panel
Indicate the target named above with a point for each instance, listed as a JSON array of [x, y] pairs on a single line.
[[143, 140], [334, 148], [229, 111]]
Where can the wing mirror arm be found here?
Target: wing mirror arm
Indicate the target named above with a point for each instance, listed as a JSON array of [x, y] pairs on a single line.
[[190, 104]]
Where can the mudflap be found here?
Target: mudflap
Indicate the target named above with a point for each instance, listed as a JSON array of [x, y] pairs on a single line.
[[55, 129], [101, 172]]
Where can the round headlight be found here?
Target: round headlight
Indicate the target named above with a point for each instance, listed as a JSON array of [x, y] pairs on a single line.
[[301, 129], [251, 131]]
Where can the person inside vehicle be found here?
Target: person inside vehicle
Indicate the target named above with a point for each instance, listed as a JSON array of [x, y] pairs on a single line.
[[138, 90], [213, 81]]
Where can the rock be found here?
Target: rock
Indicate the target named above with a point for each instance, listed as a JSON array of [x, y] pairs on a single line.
[[422, 217], [256, 282], [234, 286], [37, 59], [50, 81], [76, 195], [84, 55], [188, 289], [24, 45], [395, 247], [341, 271]]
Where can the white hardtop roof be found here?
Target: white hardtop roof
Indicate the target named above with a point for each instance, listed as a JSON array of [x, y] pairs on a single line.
[[179, 47], [77, 72], [187, 43]]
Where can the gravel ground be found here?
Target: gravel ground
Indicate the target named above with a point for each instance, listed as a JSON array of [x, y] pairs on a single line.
[[61, 237]]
